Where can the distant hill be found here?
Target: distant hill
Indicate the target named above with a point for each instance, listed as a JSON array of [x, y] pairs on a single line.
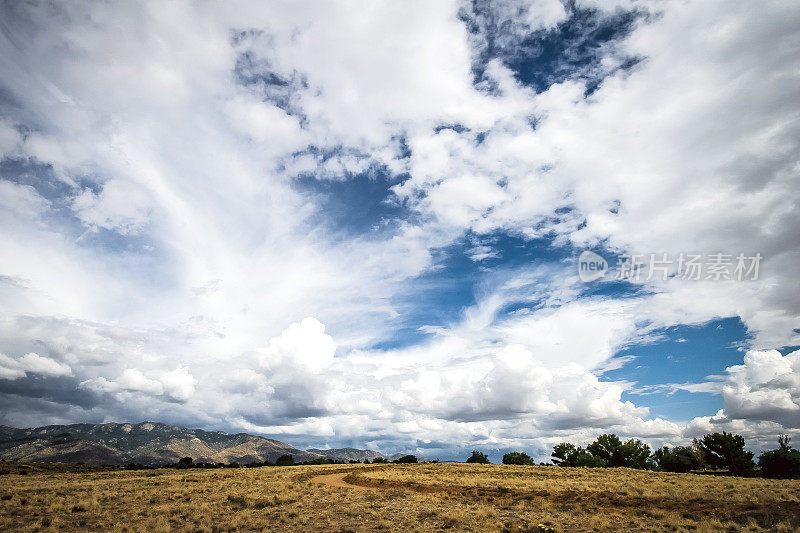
[[347, 454], [147, 443]]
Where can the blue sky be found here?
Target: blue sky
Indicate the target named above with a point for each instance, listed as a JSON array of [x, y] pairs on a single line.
[[340, 227]]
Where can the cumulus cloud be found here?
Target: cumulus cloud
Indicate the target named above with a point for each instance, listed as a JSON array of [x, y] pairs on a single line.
[[303, 343], [765, 387]]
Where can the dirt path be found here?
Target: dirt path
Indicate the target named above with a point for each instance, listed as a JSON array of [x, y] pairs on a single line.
[[336, 480]]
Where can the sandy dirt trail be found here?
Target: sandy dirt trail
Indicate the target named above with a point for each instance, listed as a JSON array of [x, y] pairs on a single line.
[[336, 480]]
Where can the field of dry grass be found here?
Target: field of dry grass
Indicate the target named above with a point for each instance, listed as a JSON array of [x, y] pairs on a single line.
[[402, 498]]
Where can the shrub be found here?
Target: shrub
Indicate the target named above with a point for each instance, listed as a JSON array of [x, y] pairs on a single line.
[[517, 458], [509, 527], [408, 459], [784, 462], [239, 502], [478, 457]]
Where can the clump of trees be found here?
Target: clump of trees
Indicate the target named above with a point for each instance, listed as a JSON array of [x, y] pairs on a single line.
[[478, 457], [783, 462], [406, 459], [680, 458], [517, 458], [606, 450], [717, 451], [633, 453]]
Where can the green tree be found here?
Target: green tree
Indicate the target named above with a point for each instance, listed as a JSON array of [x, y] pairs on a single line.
[[726, 450], [633, 453], [285, 460], [563, 454], [408, 459], [784, 462], [584, 458], [606, 447], [478, 457], [517, 458], [184, 462]]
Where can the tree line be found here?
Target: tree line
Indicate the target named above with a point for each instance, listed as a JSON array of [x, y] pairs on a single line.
[[283, 460], [721, 452]]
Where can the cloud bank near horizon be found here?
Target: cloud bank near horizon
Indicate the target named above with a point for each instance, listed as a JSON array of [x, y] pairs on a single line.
[[353, 226]]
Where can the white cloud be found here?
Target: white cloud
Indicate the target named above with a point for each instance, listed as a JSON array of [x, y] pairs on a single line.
[[10, 139], [10, 368], [177, 384], [303, 343], [21, 201], [266, 125], [31, 363], [120, 206]]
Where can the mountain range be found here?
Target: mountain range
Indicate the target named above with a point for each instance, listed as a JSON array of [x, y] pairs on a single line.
[[348, 454], [147, 443]]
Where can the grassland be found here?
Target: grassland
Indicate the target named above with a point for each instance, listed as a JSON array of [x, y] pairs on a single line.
[[425, 497]]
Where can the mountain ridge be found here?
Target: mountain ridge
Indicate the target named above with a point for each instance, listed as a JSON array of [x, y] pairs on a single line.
[[147, 443]]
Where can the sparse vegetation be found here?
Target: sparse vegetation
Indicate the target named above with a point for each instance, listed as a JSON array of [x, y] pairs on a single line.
[[407, 497]]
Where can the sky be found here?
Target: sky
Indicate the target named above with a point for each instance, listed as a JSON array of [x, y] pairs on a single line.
[[362, 224]]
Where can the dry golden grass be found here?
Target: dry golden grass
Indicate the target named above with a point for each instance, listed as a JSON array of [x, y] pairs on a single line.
[[406, 498]]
